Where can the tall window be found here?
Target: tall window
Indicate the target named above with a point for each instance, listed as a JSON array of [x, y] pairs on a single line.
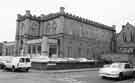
[[132, 36], [124, 37], [54, 27], [48, 28], [80, 52], [88, 50], [34, 49], [29, 49], [6, 51], [69, 50], [39, 49]]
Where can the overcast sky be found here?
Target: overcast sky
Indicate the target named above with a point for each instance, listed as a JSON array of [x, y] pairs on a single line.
[[108, 12]]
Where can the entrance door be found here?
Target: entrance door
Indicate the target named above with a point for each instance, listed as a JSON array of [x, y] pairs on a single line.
[[52, 50]]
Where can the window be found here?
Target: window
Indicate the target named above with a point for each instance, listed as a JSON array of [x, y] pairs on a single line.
[[27, 60], [29, 49], [54, 27], [127, 66], [48, 28], [88, 50], [34, 49], [39, 49], [21, 60], [132, 36], [124, 37], [80, 52], [69, 50]]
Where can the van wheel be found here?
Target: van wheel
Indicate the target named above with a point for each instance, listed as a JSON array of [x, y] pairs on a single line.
[[13, 69], [3, 66], [27, 70]]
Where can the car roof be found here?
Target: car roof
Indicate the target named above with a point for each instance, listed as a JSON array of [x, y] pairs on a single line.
[[22, 57], [120, 63]]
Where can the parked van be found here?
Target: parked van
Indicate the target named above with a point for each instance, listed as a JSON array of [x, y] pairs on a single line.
[[21, 63]]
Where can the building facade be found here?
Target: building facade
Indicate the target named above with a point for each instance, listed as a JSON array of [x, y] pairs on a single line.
[[126, 39], [126, 42], [62, 34]]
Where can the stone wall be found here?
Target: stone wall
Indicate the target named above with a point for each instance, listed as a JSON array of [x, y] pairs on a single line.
[[91, 43]]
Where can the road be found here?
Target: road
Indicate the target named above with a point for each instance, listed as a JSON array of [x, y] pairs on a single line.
[[35, 76]]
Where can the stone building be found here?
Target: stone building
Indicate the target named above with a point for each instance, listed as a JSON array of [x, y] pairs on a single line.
[[126, 42], [8, 48], [126, 39], [62, 34]]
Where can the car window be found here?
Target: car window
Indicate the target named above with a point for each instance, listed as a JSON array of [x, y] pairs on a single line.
[[116, 65], [127, 66]]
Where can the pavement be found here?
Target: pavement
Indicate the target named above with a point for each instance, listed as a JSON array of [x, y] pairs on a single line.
[[67, 70]]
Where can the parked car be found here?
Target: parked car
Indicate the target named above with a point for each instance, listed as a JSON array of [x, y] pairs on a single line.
[[117, 70], [21, 63]]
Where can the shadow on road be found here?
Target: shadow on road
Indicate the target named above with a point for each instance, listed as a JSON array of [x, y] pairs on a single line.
[[117, 80], [16, 71]]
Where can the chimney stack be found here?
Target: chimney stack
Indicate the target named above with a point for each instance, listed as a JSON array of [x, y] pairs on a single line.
[[62, 10], [28, 13]]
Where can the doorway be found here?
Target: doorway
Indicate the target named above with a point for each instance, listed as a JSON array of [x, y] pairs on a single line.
[[52, 50]]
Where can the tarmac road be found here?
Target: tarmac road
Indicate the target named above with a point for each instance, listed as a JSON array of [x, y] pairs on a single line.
[[34, 76]]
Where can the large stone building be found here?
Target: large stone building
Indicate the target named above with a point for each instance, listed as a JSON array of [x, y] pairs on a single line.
[[63, 34]]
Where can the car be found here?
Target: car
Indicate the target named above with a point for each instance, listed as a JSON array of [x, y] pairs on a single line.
[[117, 70], [18, 63]]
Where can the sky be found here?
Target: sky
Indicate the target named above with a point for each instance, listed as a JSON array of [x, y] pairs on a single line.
[[108, 12]]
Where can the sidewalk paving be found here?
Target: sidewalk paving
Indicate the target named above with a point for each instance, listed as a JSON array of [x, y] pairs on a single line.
[[66, 70]]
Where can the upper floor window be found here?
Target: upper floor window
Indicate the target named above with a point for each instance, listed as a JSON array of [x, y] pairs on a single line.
[[48, 27], [54, 26], [124, 37], [35, 28], [51, 27], [22, 28]]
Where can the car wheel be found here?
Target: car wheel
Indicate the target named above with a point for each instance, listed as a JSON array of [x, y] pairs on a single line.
[[120, 76], [103, 77], [133, 75], [13, 69]]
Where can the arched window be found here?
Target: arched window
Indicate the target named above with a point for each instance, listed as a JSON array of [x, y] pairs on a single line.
[[48, 28], [124, 37], [132, 36]]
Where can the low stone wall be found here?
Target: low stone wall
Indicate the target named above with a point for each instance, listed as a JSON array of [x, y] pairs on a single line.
[[63, 65]]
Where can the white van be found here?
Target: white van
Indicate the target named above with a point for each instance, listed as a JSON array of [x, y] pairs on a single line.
[[21, 63]]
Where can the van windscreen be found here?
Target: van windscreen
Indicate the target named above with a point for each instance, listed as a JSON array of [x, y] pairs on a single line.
[[27, 60], [21, 60]]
